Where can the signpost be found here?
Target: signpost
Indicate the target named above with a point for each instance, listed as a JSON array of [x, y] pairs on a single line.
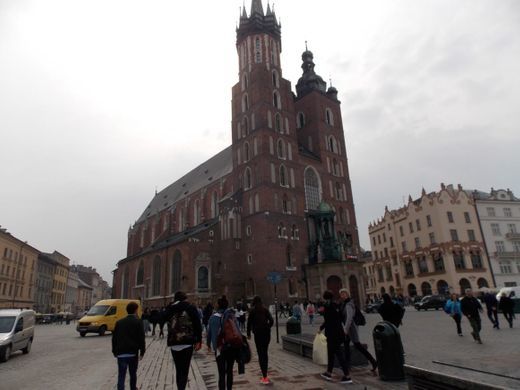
[[275, 278]]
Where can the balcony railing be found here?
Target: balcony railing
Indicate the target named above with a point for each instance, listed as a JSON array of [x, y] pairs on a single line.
[[513, 236], [508, 255]]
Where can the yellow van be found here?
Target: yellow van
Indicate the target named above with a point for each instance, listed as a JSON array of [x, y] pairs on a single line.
[[104, 315]]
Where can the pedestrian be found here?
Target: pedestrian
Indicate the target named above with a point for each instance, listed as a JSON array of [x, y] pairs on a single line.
[[350, 329], [154, 319], [297, 311], [282, 310], [335, 337], [507, 306], [206, 315], [242, 319], [492, 309], [162, 321], [184, 335], [128, 346], [452, 308], [471, 308], [146, 320], [260, 322], [390, 311], [222, 325], [311, 311]]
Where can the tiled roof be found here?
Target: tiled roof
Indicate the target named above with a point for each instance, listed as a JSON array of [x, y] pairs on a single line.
[[213, 169]]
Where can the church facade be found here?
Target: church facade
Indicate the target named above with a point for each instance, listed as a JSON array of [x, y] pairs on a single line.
[[278, 199]]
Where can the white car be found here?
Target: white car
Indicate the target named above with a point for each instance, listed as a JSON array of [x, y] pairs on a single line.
[[16, 331]]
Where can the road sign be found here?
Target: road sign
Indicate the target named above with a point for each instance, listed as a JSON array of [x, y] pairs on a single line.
[[274, 277]]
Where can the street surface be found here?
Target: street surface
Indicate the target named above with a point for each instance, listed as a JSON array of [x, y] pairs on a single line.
[[61, 359]]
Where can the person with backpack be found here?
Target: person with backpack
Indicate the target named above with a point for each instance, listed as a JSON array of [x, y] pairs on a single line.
[[352, 317], [335, 337], [225, 339], [390, 311], [128, 346], [453, 309], [184, 335], [260, 322]]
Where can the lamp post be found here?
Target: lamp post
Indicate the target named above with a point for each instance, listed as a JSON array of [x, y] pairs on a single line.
[[16, 273]]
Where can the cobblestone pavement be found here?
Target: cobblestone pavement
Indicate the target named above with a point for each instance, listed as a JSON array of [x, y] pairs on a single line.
[[61, 359]]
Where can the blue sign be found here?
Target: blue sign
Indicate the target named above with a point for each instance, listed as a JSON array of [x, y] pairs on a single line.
[[274, 277]]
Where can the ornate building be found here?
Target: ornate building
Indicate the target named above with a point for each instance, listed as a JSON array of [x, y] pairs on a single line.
[[278, 199], [432, 245]]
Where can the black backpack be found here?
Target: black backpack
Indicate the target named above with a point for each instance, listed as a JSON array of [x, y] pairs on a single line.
[[180, 329], [359, 318]]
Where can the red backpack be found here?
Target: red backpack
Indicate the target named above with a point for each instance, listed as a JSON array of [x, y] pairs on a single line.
[[230, 335]]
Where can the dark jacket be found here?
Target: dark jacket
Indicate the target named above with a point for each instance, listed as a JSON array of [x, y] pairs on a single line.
[[179, 307], [506, 305], [332, 323], [128, 336], [259, 321], [491, 301], [470, 306]]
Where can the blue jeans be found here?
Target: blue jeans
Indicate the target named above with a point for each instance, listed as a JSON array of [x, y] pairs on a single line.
[[122, 364]]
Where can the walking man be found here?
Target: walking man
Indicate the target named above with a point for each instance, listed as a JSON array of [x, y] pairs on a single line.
[[128, 346], [260, 322], [351, 330], [507, 306], [184, 335], [492, 309], [471, 308]]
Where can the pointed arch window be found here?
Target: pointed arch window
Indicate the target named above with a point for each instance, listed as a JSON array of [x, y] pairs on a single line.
[[247, 179], [175, 272], [245, 82], [286, 204], [278, 123], [214, 204], [339, 191], [258, 50], [247, 155], [295, 232], [283, 176], [203, 278], [335, 167], [245, 103], [289, 256], [300, 120], [156, 277], [332, 145], [280, 148], [139, 279], [312, 189], [196, 212], [276, 100], [329, 118], [125, 286], [276, 82], [245, 126]]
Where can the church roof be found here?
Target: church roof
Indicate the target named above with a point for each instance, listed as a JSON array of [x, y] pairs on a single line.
[[213, 169]]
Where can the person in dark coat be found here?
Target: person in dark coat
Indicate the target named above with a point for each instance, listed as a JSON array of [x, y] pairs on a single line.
[[128, 346], [206, 315], [391, 311], [260, 322], [507, 306], [335, 337], [472, 308], [492, 309], [183, 352], [154, 319]]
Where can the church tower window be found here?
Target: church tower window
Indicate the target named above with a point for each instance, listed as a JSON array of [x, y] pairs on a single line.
[[283, 176], [280, 147], [276, 100], [245, 103], [246, 152], [156, 278], [329, 118], [258, 50], [312, 189], [300, 119], [214, 204], [276, 82], [247, 179], [278, 123]]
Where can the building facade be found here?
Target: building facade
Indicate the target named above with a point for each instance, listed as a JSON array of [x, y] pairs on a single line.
[[17, 272], [84, 297], [59, 279], [44, 282], [278, 199], [499, 215], [71, 292], [433, 245]]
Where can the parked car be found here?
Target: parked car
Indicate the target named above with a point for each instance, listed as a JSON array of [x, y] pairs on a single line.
[[373, 307], [16, 331], [431, 302]]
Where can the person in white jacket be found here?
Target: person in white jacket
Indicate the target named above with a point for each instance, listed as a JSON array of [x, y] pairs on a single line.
[[351, 330]]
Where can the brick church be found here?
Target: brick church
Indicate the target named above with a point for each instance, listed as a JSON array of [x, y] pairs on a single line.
[[278, 199]]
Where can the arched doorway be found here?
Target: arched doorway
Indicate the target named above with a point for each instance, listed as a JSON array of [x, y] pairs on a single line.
[[442, 287], [412, 290], [354, 290], [426, 289], [481, 282], [203, 279], [334, 284], [464, 285]]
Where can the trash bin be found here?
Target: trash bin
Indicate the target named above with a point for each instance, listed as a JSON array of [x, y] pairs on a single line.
[[389, 351], [293, 326]]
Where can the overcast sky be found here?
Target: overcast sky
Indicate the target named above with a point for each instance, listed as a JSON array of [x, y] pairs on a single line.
[[102, 102]]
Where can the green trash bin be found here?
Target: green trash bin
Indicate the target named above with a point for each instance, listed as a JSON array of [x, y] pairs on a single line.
[[293, 326], [389, 351]]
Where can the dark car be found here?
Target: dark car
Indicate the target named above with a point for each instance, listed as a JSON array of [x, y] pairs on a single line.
[[373, 307], [431, 302]]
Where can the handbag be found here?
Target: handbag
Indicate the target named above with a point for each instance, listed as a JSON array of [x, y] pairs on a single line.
[[245, 351], [319, 349]]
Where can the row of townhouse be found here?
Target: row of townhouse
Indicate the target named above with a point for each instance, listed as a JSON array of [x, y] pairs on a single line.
[[445, 242]]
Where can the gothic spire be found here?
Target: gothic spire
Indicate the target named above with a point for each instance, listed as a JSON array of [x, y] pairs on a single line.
[[256, 8]]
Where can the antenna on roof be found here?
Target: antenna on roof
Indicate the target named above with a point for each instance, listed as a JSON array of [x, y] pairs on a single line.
[[155, 190]]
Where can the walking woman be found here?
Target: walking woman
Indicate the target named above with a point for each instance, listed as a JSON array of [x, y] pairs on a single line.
[[260, 322], [335, 337], [507, 305], [452, 308]]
